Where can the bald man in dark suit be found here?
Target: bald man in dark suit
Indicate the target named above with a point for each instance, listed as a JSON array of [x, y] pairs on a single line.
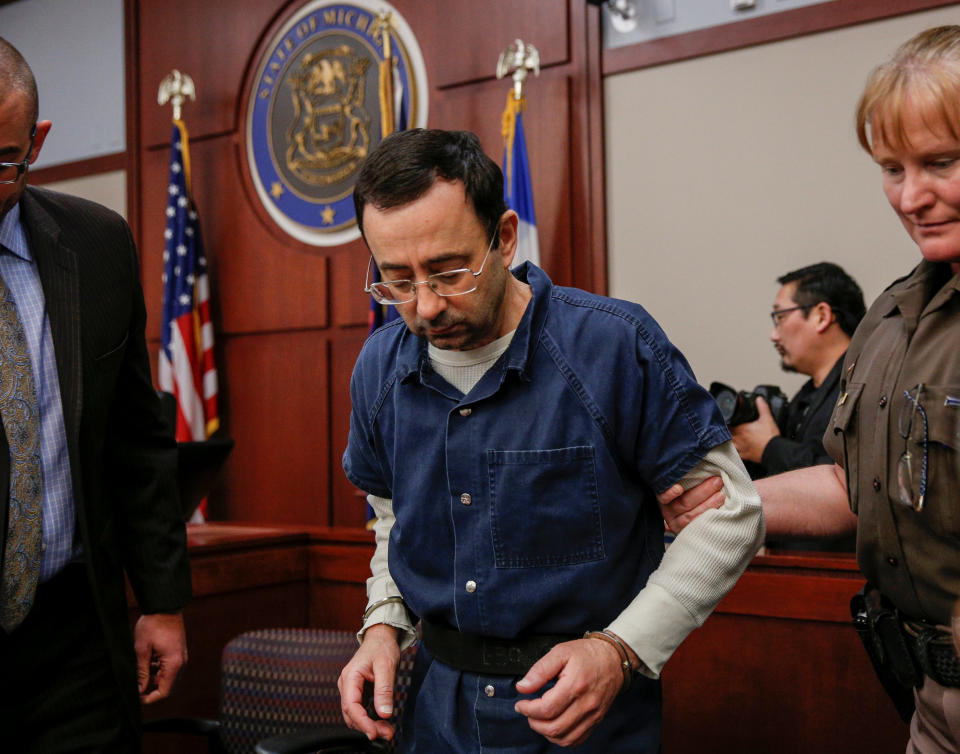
[[71, 678]]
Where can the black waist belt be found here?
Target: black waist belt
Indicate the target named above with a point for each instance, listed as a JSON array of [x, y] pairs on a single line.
[[485, 654], [934, 652]]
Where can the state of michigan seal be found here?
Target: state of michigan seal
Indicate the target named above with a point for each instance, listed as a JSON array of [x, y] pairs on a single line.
[[332, 81]]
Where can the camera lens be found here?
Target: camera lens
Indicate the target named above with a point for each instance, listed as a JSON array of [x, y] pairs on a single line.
[[728, 404]]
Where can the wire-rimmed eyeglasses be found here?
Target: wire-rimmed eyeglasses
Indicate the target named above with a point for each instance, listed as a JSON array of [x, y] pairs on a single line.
[[911, 408], [450, 283], [10, 172], [777, 314]]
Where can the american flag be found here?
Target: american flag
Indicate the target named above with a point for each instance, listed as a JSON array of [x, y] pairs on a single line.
[[186, 359], [393, 117]]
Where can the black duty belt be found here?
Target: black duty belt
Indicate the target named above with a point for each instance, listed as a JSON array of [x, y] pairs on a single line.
[[934, 652], [486, 654]]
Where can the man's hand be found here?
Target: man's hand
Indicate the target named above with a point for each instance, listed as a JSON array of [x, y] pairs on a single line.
[[588, 676], [679, 508], [160, 642], [376, 661], [751, 438]]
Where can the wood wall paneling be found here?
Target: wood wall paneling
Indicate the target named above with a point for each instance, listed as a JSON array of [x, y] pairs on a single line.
[[547, 128], [587, 182], [289, 319], [349, 305], [462, 45], [211, 41], [785, 596], [338, 605], [132, 92], [78, 169], [257, 283], [338, 572], [348, 504], [277, 412], [784, 667], [750, 684]]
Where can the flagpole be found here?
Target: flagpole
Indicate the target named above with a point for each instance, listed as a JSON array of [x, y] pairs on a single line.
[[387, 117], [380, 313], [520, 58], [186, 364]]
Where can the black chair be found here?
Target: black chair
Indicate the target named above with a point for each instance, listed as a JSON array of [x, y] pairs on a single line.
[[278, 695]]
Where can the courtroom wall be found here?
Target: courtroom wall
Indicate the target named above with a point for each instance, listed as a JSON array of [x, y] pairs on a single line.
[[76, 52], [725, 171]]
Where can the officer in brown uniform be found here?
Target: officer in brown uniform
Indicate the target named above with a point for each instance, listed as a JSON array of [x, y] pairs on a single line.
[[895, 432]]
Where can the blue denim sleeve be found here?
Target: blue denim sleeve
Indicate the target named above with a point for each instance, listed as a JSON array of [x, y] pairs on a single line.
[[361, 463], [680, 420]]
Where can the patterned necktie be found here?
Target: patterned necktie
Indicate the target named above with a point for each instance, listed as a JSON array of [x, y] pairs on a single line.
[[21, 424]]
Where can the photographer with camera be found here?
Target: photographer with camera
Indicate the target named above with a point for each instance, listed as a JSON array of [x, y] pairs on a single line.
[[893, 434], [814, 314]]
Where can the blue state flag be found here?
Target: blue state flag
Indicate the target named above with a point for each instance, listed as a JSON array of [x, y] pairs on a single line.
[[517, 189]]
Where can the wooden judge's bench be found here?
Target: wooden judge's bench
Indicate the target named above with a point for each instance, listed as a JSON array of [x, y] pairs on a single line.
[[777, 668]]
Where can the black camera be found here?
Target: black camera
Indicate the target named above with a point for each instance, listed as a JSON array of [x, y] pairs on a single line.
[[741, 407]]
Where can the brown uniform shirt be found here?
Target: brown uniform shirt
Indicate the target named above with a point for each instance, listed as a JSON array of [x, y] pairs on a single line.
[[911, 335]]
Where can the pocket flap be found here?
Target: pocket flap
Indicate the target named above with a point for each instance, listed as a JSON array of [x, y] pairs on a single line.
[[942, 405], [846, 407]]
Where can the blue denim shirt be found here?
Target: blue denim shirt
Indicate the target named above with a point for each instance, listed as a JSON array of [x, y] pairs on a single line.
[[538, 486]]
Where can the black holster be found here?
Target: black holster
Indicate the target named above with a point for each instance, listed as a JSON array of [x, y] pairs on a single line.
[[879, 625]]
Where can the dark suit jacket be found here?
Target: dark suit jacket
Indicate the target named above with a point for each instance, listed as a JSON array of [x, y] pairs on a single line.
[[122, 456], [808, 415]]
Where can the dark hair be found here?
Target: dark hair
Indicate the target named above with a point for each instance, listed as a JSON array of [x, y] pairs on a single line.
[[15, 75], [827, 282], [404, 166]]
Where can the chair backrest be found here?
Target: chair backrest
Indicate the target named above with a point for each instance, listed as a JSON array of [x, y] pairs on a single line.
[[281, 680]]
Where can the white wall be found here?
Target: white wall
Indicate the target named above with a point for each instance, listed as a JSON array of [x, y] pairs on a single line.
[[108, 189], [75, 48], [726, 171]]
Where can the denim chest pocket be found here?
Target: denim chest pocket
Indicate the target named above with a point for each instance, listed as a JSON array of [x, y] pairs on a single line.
[[544, 507]]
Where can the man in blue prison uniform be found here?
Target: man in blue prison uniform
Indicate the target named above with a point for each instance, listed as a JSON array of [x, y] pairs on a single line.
[[511, 436]]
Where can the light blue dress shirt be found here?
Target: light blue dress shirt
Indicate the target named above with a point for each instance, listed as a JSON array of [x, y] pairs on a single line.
[[20, 274]]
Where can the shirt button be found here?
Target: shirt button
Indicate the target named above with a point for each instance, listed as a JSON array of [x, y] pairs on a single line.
[[466, 411], [471, 587], [466, 499], [892, 561], [883, 401], [489, 690], [876, 484]]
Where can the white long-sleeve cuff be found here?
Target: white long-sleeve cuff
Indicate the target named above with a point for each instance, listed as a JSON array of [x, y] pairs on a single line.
[[699, 567], [380, 585]]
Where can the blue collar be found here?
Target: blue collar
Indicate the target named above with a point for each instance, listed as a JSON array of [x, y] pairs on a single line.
[[13, 236], [414, 360]]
